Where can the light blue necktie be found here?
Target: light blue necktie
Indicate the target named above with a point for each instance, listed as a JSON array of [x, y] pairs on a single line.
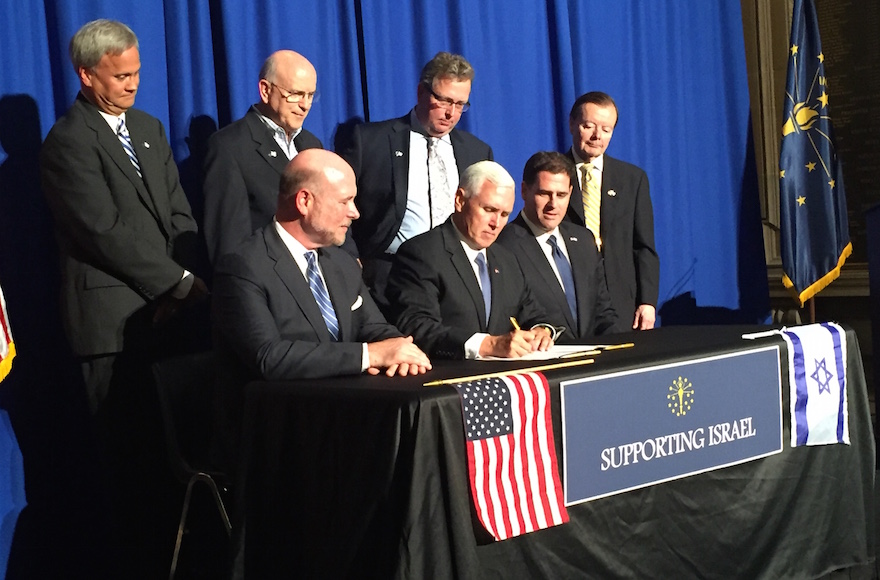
[[125, 139], [319, 291], [485, 283], [564, 268]]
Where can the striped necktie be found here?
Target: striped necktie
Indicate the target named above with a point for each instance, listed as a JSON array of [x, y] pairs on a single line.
[[438, 184], [125, 139], [591, 197], [319, 291]]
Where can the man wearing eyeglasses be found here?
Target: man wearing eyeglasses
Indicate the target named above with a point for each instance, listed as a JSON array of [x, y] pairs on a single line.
[[245, 160], [408, 168]]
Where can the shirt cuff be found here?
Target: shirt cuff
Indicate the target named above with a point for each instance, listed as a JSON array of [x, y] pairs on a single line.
[[182, 288], [365, 358], [472, 345]]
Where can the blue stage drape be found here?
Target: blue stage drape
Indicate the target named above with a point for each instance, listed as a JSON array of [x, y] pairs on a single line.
[[675, 67]]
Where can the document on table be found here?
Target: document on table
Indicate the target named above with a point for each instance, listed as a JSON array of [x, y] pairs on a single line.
[[557, 351]]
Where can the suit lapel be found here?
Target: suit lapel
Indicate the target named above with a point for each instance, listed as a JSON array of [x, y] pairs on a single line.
[[296, 284], [108, 141], [264, 143], [465, 271], [576, 204], [579, 248], [398, 144], [532, 251], [152, 168]]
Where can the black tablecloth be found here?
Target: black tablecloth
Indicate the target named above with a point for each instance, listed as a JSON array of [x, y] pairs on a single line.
[[367, 477]]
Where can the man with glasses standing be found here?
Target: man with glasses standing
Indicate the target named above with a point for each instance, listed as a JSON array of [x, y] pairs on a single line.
[[245, 160], [408, 168]]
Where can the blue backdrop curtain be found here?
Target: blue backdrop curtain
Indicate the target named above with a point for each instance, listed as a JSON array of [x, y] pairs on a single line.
[[675, 67]]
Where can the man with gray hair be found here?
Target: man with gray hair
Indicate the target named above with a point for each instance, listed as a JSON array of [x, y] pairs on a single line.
[[408, 168], [126, 237], [245, 160], [456, 292]]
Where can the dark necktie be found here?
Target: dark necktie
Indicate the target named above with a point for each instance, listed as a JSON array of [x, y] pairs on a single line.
[[485, 283], [125, 139], [564, 268], [319, 291]]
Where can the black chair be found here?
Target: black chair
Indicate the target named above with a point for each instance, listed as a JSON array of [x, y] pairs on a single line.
[[185, 386]]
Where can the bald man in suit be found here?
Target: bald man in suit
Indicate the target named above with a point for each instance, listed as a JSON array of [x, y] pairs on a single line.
[[245, 160], [269, 310]]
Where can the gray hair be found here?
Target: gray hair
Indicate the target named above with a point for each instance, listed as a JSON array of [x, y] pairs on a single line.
[[479, 173], [267, 71], [97, 38], [446, 65]]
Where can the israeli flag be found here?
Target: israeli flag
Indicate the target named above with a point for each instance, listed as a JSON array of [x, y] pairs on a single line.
[[817, 379]]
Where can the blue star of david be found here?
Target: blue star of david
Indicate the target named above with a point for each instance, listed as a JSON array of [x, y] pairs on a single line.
[[824, 379]]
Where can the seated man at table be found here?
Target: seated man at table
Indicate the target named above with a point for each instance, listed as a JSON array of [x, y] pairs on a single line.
[[560, 258], [459, 295], [290, 304]]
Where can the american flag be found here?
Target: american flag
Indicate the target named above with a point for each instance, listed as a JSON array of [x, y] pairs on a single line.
[[511, 454], [7, 347]]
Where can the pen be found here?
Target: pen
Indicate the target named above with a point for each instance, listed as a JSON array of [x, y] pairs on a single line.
[[514, 323], [616, 346]]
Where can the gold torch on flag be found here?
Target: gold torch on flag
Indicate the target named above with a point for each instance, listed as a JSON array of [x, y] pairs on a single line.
[[7, 346]]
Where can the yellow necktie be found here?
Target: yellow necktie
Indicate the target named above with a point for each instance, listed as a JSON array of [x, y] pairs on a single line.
[[592, 198]]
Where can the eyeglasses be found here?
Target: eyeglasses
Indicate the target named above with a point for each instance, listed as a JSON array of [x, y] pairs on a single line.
[[296, 96], [448, 103]]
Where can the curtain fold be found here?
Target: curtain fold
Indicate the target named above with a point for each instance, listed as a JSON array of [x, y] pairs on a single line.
[[676, 70]]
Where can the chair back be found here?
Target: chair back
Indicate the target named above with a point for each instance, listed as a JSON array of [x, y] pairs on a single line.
[[186, 391]]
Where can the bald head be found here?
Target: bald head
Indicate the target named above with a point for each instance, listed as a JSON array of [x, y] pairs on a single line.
[[316, 198], [288, 83]]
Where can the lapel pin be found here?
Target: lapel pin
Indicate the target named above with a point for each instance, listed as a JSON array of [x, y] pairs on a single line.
[[272, 154], [612, 193], [496, 271], [147, 145], [573, 239], [398, 153]]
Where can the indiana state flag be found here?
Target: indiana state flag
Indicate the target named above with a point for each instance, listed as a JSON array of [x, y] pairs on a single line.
[[817, 382], [814, 229]]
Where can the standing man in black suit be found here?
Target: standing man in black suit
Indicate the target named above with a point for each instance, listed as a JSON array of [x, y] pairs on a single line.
[[408, 168], [125, 234], [560, 259], [289, 304], [624, 217], [245, 160], [457, 293]]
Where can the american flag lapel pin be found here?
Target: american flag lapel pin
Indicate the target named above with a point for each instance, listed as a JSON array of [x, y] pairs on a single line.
[[398, 153], [573, 239], [147, 145], [273, 154], [612, 193]]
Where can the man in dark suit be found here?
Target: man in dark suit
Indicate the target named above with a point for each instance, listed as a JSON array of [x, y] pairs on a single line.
[[289, 304], [245, 160], [560, 259], [457, 293], [125, 235], [408, 168], [620, 209]]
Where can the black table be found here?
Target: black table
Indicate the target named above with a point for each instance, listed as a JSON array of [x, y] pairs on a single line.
[[367, 477]]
